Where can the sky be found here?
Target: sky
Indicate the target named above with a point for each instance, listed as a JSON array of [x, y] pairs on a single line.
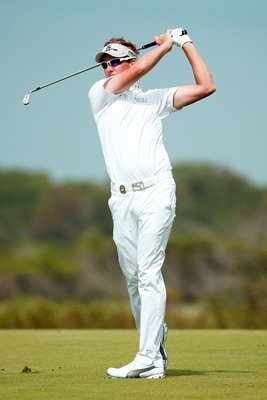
[[42, 41]]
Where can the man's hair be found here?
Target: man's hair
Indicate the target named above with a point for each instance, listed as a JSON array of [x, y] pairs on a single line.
[[124, 42]]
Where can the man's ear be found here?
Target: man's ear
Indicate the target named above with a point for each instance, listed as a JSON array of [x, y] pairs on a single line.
[[132, 62]]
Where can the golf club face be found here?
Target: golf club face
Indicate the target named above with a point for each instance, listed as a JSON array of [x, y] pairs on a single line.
[[27, 98]]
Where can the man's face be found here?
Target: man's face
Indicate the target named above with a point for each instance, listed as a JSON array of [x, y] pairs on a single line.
[[114, 70]]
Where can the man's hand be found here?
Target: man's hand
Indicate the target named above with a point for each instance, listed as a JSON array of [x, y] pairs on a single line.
[[179, 38], [165, 39]]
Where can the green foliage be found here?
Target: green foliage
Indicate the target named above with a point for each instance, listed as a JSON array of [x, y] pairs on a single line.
[[220, 311], [189, 247], [211, 202], [33, 207], [70, 209], [244, 304], [20, 194], [59, 266], [214, 200], [40, 259], [38, 312]]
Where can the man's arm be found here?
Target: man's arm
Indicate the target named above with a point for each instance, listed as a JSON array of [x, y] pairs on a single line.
[[121, 82], [185, 95], [204, 85]]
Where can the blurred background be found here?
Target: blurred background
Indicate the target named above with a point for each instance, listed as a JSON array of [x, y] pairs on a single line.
[[58, 263]]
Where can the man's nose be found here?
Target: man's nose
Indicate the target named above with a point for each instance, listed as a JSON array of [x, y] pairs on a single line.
[[110, 67]]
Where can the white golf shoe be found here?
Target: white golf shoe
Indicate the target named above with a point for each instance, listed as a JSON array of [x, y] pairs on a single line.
[[162, 348], [137, 370]]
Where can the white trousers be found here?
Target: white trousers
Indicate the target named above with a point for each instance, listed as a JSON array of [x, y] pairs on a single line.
[[142, 223]]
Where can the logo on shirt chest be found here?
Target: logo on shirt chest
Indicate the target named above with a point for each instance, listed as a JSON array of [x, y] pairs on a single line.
[[140, 99]]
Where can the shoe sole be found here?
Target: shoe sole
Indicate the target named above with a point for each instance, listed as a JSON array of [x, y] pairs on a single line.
[[159, 376], [156, 373]]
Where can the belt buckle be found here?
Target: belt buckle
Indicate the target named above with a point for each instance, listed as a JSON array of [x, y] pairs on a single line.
[[122, 189], [138, 186]]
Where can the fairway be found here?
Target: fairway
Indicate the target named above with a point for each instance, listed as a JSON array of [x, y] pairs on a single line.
[[65, 364]]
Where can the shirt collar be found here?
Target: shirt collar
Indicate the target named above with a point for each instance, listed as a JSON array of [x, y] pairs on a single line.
[[134, 87]]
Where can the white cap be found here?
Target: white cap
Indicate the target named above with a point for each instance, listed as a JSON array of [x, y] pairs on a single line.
[[115, 50]]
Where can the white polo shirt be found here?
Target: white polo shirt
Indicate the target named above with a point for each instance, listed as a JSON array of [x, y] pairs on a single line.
[[130, 131]]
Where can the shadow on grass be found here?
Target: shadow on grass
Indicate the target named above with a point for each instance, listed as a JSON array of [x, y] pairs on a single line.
[[184, 372], [188, 372]]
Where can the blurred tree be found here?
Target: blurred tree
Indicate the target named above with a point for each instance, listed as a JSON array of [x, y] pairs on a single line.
[[62, 214], [68, 210], [20, 194], [213, 200]]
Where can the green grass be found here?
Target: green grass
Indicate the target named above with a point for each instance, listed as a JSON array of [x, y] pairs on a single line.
[[71, 364]]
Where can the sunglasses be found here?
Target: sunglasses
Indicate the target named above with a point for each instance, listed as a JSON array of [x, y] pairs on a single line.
[[115, 62]]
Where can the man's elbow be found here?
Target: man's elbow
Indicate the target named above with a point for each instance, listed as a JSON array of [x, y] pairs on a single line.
[[141, 67], [212, 88], [209, 89]]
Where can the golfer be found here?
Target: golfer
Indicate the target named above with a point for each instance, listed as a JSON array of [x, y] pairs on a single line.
[[142, 201]]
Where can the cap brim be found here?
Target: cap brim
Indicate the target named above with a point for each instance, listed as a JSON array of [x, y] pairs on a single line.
[[115, 50], [99, 56], [112, 53]]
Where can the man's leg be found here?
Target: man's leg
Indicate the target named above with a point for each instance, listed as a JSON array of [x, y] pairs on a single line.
[[155, 221], [125, 238], [147, 364]]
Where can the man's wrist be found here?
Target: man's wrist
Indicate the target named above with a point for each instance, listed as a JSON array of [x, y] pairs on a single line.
[[180, 37], [186, 42]]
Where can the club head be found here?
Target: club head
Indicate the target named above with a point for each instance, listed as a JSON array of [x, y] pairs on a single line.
[[26, 98]]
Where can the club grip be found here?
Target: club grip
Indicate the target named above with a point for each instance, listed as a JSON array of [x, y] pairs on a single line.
[[146, 46], [151, 44]]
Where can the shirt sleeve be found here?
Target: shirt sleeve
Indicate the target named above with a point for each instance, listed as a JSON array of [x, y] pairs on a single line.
[[164, 101], [100, 98]]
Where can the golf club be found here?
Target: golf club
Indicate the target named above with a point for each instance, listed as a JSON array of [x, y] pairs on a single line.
[[27, 97]]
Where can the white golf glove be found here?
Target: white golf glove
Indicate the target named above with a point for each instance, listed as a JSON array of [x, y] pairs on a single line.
[[180, 37]]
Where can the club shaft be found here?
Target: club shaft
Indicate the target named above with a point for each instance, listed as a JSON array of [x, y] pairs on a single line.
[[145, 46], [65, 77]]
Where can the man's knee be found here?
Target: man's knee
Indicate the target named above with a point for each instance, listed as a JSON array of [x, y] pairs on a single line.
[[151, 281]]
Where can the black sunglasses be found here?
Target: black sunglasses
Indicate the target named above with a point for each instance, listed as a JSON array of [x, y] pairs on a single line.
[[115, 62]]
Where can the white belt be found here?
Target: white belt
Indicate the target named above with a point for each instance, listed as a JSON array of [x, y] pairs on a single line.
[[141, 185]]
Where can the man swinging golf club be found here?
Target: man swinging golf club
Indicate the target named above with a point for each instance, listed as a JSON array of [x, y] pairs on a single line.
[[142, 199]]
